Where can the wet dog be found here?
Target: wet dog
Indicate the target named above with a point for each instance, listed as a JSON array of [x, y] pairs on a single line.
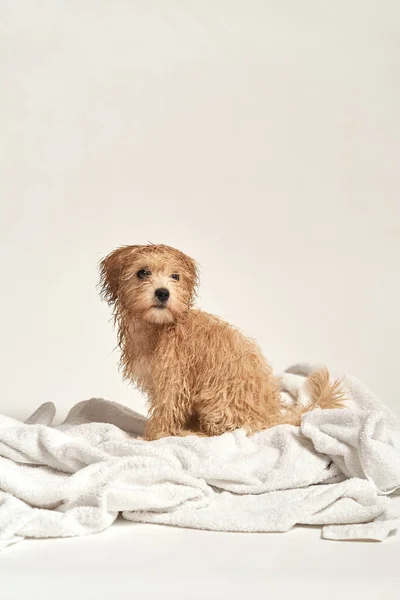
[[200, 374]]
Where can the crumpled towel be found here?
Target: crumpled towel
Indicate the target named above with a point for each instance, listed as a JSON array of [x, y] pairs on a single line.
[[336, 470]]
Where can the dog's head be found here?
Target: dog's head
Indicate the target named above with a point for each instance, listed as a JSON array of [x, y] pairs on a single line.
[[153, 283]]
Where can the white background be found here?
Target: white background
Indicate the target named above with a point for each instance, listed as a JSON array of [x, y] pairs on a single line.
[[261, 137]]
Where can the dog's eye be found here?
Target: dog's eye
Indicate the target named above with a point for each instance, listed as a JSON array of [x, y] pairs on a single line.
[[175, 276], [143, 273]]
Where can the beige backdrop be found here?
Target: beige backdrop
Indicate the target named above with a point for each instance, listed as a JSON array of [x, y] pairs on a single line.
[[260, 137]]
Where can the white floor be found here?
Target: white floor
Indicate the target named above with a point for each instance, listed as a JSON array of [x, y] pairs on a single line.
[[150, 561]]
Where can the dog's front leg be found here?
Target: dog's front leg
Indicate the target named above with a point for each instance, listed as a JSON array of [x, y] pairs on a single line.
[[168, 418]]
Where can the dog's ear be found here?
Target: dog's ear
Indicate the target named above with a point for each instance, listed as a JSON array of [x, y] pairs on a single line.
[[111, 271]]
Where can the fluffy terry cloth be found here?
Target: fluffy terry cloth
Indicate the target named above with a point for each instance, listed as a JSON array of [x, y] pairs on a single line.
[[336, 470]]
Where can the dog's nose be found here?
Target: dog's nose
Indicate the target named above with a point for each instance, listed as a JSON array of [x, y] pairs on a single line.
[[162, 294]]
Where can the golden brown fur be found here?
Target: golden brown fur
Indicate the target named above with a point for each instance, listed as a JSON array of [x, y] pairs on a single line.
[[199, 373]]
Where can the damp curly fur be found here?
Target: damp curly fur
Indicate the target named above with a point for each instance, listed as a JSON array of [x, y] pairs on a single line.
[[199, 373]]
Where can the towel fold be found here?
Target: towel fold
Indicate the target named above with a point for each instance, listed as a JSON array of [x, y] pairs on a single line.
[[336, 470]]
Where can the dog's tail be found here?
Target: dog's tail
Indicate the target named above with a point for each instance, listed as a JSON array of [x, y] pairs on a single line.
[[323, 393]]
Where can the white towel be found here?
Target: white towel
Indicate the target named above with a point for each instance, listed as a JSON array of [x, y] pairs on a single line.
[[336, 470]]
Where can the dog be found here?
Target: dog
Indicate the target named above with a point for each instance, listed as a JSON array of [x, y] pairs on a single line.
[[200, 374]]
